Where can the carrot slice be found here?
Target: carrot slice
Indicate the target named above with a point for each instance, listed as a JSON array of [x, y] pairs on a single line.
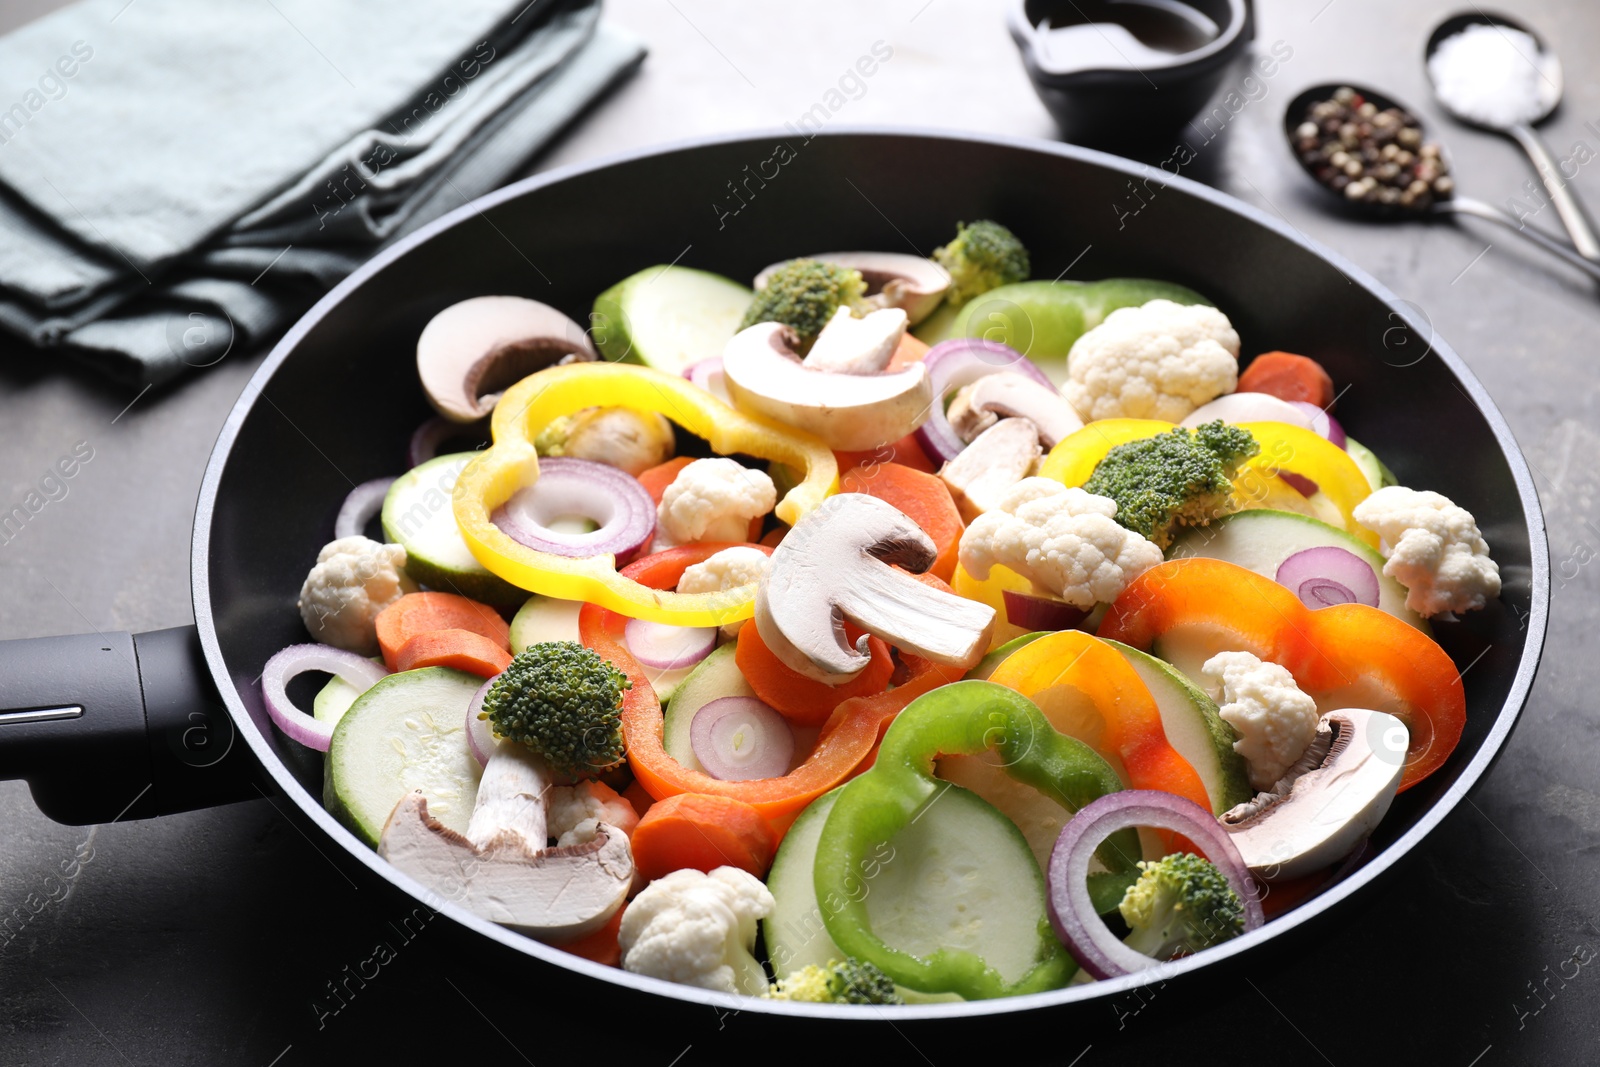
[[702, 832], [923, 498], [910, 350], [417, 613], [600, 946], [657, 478], [806, 701], [907, 452], [461, 649], [1288, 377], [636, 795]]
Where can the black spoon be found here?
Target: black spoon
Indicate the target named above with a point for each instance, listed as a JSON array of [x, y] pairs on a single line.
[[1295, 114]]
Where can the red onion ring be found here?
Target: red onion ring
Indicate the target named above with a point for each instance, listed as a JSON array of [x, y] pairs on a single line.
[[480, 737], [957, 362], [611, 498], [1072, 913], [1329, 575], [364, 501], [1040, 612], [707, 374], [427, 438], [1249, 407], [351, 667], [1324, 424], [665, 647], [739, 739]]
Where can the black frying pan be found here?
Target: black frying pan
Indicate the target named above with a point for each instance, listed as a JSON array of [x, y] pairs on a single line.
[[108, 726]]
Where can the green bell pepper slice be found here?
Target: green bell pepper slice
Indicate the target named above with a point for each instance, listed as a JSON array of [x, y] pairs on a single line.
[[963, 718]]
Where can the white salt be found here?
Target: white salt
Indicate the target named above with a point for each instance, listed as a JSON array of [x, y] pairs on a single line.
[[1491, 75]]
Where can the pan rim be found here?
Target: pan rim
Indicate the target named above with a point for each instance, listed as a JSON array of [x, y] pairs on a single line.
[[311, 806]]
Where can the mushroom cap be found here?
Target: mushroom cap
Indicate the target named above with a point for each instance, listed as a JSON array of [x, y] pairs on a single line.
[[1001, 396], [913, 284], [848, 412], [553, 894], [1330, 809], [471, 351], [835, 565]]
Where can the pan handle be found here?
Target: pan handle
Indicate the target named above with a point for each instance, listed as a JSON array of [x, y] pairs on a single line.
[[116, 726]]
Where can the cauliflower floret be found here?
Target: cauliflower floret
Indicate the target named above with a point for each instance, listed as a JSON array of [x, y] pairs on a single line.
[[728, 569], [354, 579], [712, 500], [698, 929], [1065, 541], [1275, 720], [1434, 549], [1158, 361], [575, 812]]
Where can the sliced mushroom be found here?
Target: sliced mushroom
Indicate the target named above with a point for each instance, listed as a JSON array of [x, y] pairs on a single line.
[[849, 412], [835, 565], [999, 396], [999, 458], [894, 280], [1329, 802], [500, 869], [848, 345], [470, 352]]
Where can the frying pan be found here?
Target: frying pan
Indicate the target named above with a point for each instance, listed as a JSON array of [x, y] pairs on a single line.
[[108, 726]]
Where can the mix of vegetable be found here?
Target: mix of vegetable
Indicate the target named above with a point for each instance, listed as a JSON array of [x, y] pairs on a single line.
[[854, 665]]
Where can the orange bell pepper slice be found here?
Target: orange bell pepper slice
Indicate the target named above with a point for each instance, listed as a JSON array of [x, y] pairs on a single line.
[[847, 739], [1348, 655], [1089, 691]]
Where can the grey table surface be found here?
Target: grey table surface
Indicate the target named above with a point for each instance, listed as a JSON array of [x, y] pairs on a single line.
[[201, 938]]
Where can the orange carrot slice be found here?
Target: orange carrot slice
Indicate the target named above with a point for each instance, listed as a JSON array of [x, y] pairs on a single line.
[[417, 613], [461, 649], [906, 452], [656, 479], [600, 946], [922, 497], [806, 701], [910, 350], [702, 832], [1288, 377]]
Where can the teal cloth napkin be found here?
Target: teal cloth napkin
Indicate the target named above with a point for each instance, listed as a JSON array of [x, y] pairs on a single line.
[[185, 176]]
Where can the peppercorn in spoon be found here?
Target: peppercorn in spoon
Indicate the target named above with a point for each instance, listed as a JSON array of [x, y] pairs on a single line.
[[1373, 154]]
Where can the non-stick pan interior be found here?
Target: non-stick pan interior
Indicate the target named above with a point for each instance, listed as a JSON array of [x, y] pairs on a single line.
[[343, 398]]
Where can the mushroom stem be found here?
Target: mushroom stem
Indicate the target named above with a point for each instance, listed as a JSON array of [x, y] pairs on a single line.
[[500, 869], [835, 565], [1002, 456]]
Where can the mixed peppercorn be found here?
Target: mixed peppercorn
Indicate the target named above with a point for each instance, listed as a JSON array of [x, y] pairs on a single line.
[[1372, 155]]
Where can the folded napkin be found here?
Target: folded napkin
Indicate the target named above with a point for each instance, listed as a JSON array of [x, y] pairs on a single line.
[[185, 176]]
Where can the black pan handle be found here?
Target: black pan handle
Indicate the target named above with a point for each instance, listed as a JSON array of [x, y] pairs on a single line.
[[118, 726]]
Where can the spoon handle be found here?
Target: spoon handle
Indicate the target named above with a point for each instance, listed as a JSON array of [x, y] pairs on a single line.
[[1567, 206], [1478, 209]]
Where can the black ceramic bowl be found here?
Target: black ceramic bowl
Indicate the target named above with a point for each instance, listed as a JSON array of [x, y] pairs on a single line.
[[338, 397], [1129, 103]]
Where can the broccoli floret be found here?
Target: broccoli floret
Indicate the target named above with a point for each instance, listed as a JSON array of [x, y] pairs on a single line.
[[1174, 478], [848, 981], [984, 255], [1180, 904], [564, 702], [803, 294]]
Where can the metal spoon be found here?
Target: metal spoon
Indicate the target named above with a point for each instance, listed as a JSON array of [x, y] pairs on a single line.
[[1295, 113], [1550, 85]]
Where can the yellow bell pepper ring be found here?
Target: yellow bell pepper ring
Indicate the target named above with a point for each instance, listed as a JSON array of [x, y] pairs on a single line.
[[1284, 448], [511, 464]]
